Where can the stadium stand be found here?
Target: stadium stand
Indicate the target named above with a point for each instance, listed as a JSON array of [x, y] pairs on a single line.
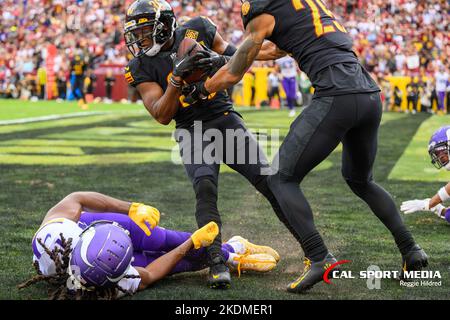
[[39, 38]]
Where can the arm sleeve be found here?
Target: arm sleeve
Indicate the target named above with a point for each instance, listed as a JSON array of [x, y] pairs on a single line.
[[447, 215], [129, 284], [230, 50]]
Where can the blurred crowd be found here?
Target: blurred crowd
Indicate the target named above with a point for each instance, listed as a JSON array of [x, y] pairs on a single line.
[[392, 37]]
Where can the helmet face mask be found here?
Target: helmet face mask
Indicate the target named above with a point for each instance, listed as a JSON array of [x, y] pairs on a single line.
[[148, 27], [438, 148], [440, 155]]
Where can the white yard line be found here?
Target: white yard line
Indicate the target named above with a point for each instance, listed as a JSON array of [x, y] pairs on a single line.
[[60, 116]]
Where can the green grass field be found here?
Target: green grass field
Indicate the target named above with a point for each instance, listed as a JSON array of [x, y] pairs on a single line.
[[124, 153]]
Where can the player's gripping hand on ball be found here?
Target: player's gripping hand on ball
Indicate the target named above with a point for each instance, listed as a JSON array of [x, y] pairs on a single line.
[[195, 92], [205, 236], [184, 66], [142, 214], [211, 61]]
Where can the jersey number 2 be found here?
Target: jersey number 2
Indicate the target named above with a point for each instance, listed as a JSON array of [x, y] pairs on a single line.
[[317, 21]]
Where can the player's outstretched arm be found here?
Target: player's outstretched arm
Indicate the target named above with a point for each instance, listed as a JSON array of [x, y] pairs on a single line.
[[231, 73], [433, 204], [72, 205], [162, 266]]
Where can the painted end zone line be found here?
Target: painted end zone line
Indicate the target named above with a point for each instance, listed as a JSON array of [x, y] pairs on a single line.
[[57, 117]]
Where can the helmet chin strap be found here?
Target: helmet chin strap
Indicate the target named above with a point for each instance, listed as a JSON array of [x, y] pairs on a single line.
[[447, 166], [155, 49]]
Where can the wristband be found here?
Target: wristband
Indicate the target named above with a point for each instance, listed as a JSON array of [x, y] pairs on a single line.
[[203, 91], [443, 194], [177, 84], [229, 50], [438, 210]]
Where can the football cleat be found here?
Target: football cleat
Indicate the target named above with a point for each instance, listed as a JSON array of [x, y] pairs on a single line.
[[251, 248], [219, 275], [414, 260], [312, 274], [260, 262]]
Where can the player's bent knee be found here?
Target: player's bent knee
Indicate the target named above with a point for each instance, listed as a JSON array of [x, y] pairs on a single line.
[[205, 189], [360, 188]]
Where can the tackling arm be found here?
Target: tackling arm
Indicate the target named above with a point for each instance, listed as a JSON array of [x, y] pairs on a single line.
[[230, 74]]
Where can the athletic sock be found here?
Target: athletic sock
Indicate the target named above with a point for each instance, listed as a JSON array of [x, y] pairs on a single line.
[[237, 247], [230, 259], [314, 247]]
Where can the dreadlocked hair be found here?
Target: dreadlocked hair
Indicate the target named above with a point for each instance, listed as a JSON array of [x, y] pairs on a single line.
[[58, 281]]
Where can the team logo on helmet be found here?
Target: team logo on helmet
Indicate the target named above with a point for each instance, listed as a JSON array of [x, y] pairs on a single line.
[[245, 8], [155, 4]]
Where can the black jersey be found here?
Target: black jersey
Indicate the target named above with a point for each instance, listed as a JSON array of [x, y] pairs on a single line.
[[77, 66], [309, 32], [159, 69]]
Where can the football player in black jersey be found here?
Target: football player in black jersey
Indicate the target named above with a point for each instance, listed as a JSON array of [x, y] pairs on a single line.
[[152, 37], [346, 108]]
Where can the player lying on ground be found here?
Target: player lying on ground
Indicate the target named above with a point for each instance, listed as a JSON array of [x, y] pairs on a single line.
[[156, 252], [439, 150], [157, 72], [346, 108]]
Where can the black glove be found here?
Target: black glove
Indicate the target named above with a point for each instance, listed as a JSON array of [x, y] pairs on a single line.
[[212, 61], [195, 92], [185, 65]]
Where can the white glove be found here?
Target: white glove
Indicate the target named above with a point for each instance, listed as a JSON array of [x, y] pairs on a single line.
[[415, 205], [438, 210]]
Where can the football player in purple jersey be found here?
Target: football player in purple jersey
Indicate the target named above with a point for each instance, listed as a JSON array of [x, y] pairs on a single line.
[[95, 246], [438, 148]]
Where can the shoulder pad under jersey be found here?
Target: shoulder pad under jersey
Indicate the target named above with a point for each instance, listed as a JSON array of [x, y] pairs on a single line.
[[251, 9]]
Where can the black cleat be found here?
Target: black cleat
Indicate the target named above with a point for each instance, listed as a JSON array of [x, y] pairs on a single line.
[[219, 275], [312, 274], [414, 260]]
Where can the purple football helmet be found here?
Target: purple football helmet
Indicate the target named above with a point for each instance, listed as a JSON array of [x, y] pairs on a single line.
[[438, 148], [101, 257]]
